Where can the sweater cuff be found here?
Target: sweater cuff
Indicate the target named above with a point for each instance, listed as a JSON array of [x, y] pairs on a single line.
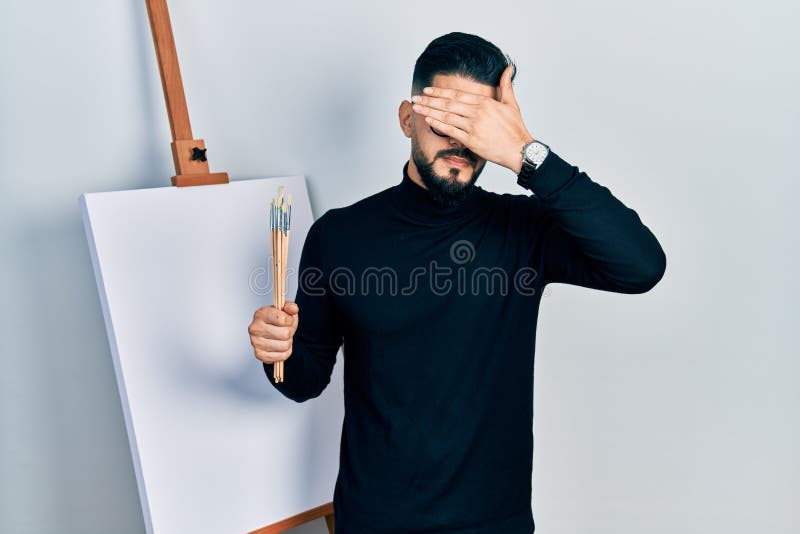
[[551, 176]]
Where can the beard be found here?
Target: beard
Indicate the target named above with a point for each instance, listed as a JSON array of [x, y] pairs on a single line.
[[446, 190]]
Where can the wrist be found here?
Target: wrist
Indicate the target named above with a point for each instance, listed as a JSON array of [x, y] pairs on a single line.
[[519, 155]]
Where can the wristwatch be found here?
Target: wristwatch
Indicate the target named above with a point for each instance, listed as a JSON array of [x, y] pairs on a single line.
[[533, 155]]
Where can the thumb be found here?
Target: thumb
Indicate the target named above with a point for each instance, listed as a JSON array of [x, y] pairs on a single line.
[[506, 89], [291, 307]]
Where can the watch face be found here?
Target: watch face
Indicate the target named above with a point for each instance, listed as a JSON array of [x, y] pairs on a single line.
[[536, 152]]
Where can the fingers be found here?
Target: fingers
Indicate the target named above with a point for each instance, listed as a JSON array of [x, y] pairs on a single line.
[[291, 307], [272, 315], [448, 117], [271, 349], [294, 312], [272, 332], [444, 104], [459, 135], [268, 344], [507, 89], [455, 94]]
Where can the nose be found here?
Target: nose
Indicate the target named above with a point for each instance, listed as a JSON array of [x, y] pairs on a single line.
[[455, 143], [460, 150]]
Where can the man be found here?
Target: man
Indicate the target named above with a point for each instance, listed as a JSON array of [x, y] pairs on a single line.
[[434, 287]]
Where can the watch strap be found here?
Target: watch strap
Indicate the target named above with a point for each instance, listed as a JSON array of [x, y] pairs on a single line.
[[525, 174]]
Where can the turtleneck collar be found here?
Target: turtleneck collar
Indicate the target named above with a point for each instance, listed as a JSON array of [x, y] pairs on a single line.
[[416, 201]]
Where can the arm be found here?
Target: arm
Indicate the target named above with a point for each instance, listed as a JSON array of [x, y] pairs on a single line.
[[583, 235], [308, 369], [587, 237]]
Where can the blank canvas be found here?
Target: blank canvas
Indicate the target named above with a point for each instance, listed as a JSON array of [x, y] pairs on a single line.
[[180, 271]]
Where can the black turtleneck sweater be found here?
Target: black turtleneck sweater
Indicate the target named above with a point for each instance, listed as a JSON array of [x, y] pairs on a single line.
[[437, 308]]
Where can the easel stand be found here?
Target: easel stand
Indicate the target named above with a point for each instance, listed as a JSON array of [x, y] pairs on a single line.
[[189, 155], [191, 168], [326, 511]]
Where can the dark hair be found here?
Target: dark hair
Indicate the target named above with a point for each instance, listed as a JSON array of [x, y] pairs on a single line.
[[463, 54]]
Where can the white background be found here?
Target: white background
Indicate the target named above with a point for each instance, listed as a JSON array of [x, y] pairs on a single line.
[[671, 411]]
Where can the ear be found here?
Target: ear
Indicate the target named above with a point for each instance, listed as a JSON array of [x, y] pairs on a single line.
[[404, 113]]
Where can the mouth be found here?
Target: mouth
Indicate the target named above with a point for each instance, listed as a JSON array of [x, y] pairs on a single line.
[[456, 161]]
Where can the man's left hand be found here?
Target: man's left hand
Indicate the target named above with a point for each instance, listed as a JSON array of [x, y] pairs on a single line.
[[491, 129]]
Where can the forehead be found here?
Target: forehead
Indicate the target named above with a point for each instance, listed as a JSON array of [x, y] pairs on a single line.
[[454, 81]]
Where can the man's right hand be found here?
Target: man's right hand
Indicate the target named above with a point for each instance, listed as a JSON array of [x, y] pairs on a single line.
[[272, 331]]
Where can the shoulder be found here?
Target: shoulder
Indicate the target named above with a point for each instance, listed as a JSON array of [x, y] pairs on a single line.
[[515, 207], [344, 217]]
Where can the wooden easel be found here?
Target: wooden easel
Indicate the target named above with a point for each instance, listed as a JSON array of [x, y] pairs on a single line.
[[189, 155], [326, 511], [191, 168]]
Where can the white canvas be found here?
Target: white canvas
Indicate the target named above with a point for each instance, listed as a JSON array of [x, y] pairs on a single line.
[[180, 271]]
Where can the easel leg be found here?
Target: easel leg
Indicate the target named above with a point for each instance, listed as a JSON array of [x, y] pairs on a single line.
[[329, 522]]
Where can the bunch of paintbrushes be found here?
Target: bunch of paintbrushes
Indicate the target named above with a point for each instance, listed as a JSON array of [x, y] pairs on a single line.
[[281, 221]]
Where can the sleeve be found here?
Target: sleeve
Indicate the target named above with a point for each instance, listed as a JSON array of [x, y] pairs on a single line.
[[308, 369], [587, 237]]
